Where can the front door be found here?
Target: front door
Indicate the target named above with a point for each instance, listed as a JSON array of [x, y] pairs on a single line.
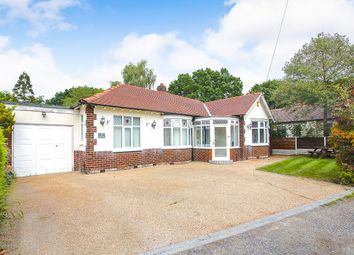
[[220, 150]]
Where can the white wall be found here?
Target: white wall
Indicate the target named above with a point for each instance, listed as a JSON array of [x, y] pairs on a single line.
[[257, 112], [150, 137], [54, 116]]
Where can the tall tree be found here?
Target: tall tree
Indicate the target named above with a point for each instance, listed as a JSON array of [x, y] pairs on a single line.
[[139, 75], [314, 71], [71, 97], [22, 90], [268, 88], [207, 85]]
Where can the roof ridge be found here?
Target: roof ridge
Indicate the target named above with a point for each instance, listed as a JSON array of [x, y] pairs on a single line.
[[222, 99], [98, 95]]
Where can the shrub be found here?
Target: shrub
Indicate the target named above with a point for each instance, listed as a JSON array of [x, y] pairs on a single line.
[[5, 179]]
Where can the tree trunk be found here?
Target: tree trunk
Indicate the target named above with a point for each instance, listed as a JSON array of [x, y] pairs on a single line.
[[325, 120]]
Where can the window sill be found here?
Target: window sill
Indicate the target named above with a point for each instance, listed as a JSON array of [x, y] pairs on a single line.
[[127, 149], [260, 144], [198, 147]]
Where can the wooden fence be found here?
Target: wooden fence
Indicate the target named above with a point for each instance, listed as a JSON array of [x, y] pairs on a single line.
[[285, 145]]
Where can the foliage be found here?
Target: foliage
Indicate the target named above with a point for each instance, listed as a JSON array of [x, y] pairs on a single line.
[[6, 119], [313, 72], [304, 166], [296, 130], [139, 75], [22, 90], [71, 97], [278, 130], [268, 88], [114, 83], [342, 137], [5, 180], [207, 85], [7, 96]]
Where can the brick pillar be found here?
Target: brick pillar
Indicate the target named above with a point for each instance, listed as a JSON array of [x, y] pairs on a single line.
[[243, 149], [9, 146], [90, 138]]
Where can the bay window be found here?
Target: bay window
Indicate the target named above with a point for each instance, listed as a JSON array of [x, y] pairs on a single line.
[[259, 132], [176, 132], [126, 132]]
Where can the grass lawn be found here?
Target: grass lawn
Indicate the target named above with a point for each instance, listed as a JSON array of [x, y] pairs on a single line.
[[305, 166]]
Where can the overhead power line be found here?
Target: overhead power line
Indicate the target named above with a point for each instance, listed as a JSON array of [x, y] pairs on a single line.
[[276, 42]]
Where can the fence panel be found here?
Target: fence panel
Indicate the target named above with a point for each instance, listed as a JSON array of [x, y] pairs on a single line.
[[310, 142], [282, 143]]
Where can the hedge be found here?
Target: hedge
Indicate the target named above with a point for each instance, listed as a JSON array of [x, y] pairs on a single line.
[[5, 182]]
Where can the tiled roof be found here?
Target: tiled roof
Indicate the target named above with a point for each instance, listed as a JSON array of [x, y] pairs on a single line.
[[232, 106], [132, 97], [298, 113]]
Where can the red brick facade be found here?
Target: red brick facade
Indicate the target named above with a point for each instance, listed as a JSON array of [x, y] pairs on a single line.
[[202, 155], [256, 151], [9, 146]]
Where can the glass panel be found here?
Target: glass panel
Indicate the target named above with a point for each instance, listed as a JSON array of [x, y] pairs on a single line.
[[220, 136], [127, 121], [232, 134], [167, 123], [184, 123], [176, 136], [220, 121], [184, 136], [136, 121], [261, 138], [117, 120], [117, 137], [167, 137], [220, 153], [261, 124], [206, 122], [127, 137], [189, 136], [82, 131], [206, 136], [136, 137], [237, 136], [197, 136], [196, 122], [254, 124], [266, 135], [254, 135]]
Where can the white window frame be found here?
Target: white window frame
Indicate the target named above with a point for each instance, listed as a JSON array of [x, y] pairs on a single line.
[[265, 129], [233, 125], [82, 128], [123, 130], [200, 124], [177, 123]]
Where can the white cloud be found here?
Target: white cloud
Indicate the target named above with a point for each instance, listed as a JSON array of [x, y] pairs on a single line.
[[42, 15], [37, 60], [243, 42]]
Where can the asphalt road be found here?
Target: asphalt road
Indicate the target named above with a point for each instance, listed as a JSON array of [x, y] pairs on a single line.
[[324, 230]]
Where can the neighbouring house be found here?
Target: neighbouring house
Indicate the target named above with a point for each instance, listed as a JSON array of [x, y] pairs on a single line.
[[300, 121], [127, 127]]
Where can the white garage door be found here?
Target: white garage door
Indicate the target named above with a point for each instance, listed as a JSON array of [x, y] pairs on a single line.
[[42, 149]]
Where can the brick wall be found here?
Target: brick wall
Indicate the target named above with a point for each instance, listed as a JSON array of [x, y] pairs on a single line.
[[107, 160], [79, 161], [9, 146], [256, 151], [235, 154], [202, 155]]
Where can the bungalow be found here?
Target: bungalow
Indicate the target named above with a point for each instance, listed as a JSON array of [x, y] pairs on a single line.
[[127, 126]]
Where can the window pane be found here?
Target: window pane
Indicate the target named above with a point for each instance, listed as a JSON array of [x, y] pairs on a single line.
[[166, 123], [117, 137], [136, 121], [196, 122], [184, 123], [82, 131], [184, 136], [266, 135], [197, 136], [261, 124], [117, 120], [232, 134], [176, 136], [167, 137], [189, 136], [127, 137], [136, 137], [206, 136], [254, 135], [127, 121], [261, 138], [254, 124], [206, 122]]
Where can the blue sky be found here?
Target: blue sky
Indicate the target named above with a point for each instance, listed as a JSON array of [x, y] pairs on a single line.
[[62, 43]]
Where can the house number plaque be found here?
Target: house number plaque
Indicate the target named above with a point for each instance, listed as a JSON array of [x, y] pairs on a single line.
[[101, 135]]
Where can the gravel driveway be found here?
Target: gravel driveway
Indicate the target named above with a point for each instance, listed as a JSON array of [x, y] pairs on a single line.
[[128, 212]]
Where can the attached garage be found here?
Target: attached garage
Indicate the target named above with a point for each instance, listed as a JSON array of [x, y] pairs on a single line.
[[43, 139], [42, 149]]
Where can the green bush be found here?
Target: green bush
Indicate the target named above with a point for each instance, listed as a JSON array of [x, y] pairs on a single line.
[[5, 179]]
